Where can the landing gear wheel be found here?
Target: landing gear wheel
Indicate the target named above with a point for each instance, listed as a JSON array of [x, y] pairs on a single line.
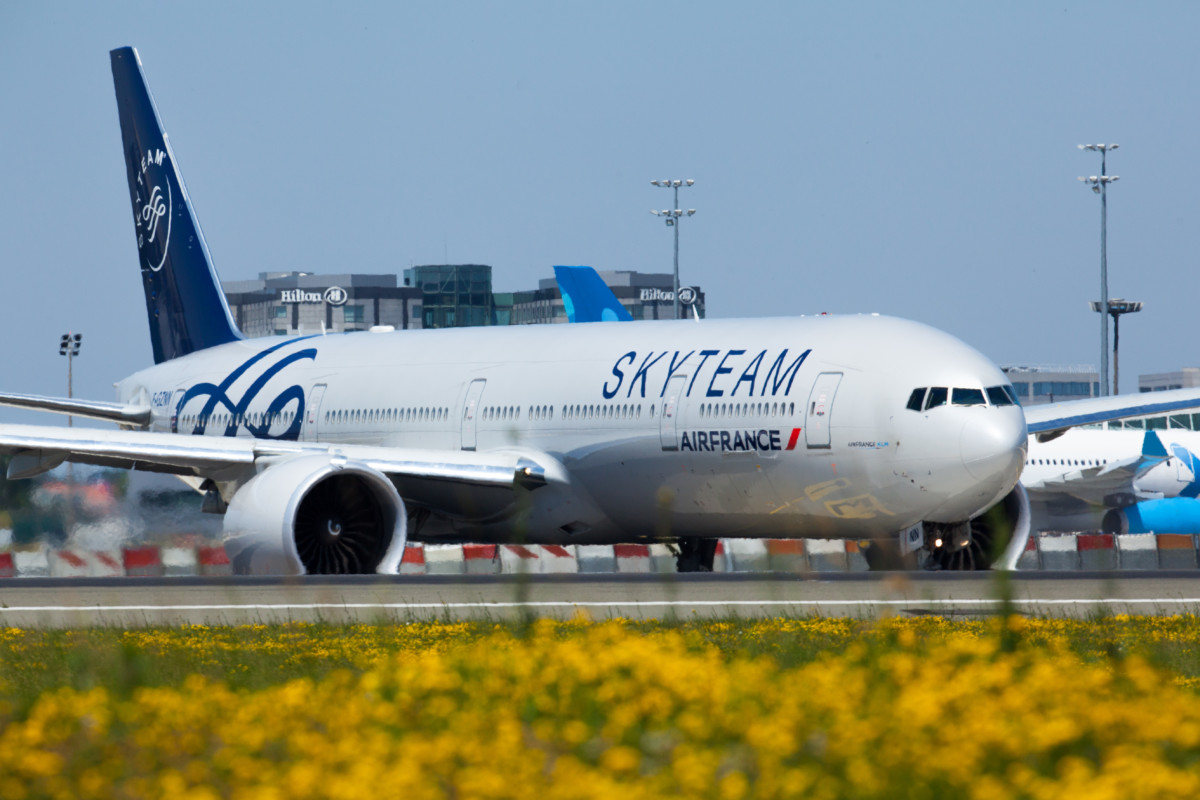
[[696, 555], [969, 547]]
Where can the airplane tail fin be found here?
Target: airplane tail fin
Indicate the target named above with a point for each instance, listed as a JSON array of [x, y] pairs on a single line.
[[1152, 447], [184, 301], [587, 298]]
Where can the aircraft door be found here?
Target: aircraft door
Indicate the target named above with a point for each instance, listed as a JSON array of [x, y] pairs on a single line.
[[820, 409], [176, 399], [312, 413], [672, 405], [470, 412]]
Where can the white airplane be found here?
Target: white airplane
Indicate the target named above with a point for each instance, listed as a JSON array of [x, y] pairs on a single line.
[[326, 453], [1118, 481]]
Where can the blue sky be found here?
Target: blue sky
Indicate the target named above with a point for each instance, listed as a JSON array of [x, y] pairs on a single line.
[[914, 159]]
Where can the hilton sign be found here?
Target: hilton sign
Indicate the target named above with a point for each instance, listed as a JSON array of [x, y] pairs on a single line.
[[334, 295], [687, 296]]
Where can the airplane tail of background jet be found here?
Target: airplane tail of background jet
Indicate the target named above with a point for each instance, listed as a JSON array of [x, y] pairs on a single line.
[[587, 297], [184, 301]]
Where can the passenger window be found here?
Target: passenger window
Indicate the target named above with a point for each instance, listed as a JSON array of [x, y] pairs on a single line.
[[968, 397], [936, 397], [916, 399]]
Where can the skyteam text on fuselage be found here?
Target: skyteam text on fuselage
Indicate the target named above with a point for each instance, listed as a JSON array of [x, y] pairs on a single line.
[[326, 453]]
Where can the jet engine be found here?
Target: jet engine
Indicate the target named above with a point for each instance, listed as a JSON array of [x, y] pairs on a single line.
[[995, 538], [316, 515], [1165, 515]]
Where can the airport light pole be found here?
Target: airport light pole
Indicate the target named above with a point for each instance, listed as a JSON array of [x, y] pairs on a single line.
[[1117, 307], [1099, 185], [69, 346], [673, 215]]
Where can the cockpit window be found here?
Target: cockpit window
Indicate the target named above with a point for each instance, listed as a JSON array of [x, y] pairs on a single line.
[[998, 396], [916, 399], [1012, 394], [936, 397], [968, 397]]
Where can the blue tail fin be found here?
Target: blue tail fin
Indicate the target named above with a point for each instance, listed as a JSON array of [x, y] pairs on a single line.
[[184, 301], [587, 298]]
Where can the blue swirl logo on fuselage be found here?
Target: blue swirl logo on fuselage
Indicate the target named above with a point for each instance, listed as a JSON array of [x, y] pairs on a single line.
[[238, 412]]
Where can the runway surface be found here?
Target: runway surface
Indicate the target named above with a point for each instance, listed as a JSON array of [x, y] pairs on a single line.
[[137, 602]]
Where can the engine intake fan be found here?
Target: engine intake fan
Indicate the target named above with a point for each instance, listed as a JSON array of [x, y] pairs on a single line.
[[316, 515]]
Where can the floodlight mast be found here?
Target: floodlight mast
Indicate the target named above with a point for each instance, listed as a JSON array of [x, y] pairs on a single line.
[[673, 215], [1099, 185], [69, 346], [1116, 307]]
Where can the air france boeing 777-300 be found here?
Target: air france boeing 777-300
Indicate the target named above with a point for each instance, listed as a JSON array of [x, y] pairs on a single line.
[[327, 453]]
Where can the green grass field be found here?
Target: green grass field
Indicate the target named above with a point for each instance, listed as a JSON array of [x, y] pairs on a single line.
[[776, 708]]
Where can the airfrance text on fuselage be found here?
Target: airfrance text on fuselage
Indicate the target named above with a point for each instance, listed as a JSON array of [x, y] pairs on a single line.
[[737, 441], [777, 378]]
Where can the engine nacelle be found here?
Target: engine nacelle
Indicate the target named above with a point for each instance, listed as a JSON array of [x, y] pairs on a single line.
[[318, 514], [994, 539], [1166, 515]]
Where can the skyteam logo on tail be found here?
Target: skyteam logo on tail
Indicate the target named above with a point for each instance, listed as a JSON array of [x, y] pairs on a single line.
[[152, 205]]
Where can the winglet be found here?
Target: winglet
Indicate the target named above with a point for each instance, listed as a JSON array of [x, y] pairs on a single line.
[[587, 298], [186, 307]]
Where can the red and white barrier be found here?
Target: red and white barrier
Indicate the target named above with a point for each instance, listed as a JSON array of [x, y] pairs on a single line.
[[142, 562], [31, 563], [85, 563], [746, 555], [558, 559], [213, 561], [596, 558], [1056, 551], [632, 557], [413, 562], [444, 559], [481, 559], [179, 561]]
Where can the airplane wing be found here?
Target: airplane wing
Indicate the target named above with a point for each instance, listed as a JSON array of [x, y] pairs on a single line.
[[1093, 484], [120, 413], [423, 475], [1050, 420]]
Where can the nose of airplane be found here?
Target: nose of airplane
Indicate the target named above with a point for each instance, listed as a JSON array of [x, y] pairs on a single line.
[[994, 445]]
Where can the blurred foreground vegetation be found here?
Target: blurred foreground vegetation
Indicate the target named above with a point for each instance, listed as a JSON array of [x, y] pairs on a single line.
[[775, 708]]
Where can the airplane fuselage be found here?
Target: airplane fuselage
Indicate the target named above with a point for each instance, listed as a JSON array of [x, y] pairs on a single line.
[[755, 428]]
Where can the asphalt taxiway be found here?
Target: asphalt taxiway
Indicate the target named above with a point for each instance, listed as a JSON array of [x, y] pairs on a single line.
[[134, 602]]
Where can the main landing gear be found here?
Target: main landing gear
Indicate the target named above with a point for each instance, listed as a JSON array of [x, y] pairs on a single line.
[[695, 554]]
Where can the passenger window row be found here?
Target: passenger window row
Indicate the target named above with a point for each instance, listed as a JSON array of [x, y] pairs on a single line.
[[492, 413], [925, 398], [358, 416], [1069, 462], [747, 409], [609, 411], [223, 419]]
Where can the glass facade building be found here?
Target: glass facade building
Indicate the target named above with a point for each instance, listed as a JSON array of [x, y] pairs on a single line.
[[453, 295]]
